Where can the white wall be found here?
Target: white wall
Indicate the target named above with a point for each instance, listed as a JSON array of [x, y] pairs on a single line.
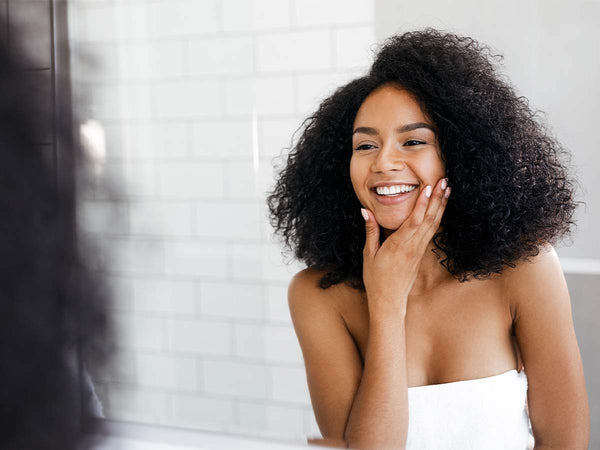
[[551, 56], [196, 97]]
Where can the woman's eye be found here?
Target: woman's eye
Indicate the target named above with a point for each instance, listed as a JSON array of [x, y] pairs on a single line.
[[414, 142], [365, 147]]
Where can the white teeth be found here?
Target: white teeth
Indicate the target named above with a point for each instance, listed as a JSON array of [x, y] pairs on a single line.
[[396, 189]]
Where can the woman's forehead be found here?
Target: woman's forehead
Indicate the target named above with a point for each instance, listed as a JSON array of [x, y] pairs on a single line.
[[389, 105]]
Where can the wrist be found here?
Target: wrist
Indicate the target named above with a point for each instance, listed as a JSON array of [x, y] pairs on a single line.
[[391, 310]]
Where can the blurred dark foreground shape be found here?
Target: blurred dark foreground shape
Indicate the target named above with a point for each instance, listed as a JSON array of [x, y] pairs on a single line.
[[53, 319]]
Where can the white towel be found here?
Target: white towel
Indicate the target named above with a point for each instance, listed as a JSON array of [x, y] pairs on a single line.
[[484, 413]]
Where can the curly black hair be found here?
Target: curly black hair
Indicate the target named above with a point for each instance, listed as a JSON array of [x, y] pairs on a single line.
[[53, 305], [511, 190]]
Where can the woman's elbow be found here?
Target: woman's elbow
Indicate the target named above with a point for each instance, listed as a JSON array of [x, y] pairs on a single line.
[[328, 442], [363, 442]]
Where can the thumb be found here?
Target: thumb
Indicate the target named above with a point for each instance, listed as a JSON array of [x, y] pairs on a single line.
[[372, 232]]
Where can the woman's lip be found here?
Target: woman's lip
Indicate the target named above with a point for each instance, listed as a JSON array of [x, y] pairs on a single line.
[[393, 200]]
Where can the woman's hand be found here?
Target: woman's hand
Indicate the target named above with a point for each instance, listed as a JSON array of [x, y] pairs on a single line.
[[390, 269]]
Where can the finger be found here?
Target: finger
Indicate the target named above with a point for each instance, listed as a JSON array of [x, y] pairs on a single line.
[[435, 209], [441, 209], [428, 235], [372, 232], [416, 216], [414, 220]]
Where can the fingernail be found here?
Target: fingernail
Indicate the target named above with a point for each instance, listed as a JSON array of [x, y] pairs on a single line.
[[444, 183], [447, 193], [364, 213], [428, 191]]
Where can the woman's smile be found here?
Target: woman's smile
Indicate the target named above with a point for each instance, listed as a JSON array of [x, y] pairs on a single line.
[[394, 194]]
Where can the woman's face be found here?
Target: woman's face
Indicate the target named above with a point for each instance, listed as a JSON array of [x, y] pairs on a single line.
[[393, 147]]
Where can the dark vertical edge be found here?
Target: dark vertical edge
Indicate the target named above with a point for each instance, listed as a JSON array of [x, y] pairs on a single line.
[[5, 12], [8, 25], [64, 136], [61, 81], [53, 80]]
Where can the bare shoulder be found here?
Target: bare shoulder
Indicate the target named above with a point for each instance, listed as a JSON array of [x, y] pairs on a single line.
[[306, 279], [533, 276], [546, 261], [304, 291]]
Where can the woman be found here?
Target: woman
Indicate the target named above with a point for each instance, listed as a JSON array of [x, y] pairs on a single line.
[[425, 198]]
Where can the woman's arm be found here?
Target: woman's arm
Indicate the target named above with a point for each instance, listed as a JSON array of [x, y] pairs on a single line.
[[331, 359], [379, 416], [557, 397], [334, 370]]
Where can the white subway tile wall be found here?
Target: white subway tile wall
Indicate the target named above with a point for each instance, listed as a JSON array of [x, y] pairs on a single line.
[[163, 296], [198, 98], [136, 404], [201, 411], [256, 15]]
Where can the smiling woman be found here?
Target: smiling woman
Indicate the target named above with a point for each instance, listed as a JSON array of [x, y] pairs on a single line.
[[425, 198]]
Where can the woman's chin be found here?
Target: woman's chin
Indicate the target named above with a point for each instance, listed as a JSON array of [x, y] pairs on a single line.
[[391, 224]]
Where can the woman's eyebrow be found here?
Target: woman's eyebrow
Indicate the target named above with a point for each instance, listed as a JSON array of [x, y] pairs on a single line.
[[414, 126], [403, 129]]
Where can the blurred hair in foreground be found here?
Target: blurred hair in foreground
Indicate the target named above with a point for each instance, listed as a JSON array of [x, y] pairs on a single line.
[[53, 305]]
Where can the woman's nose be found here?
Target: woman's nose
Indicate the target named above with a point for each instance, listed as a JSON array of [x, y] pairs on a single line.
[[388, 159]]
